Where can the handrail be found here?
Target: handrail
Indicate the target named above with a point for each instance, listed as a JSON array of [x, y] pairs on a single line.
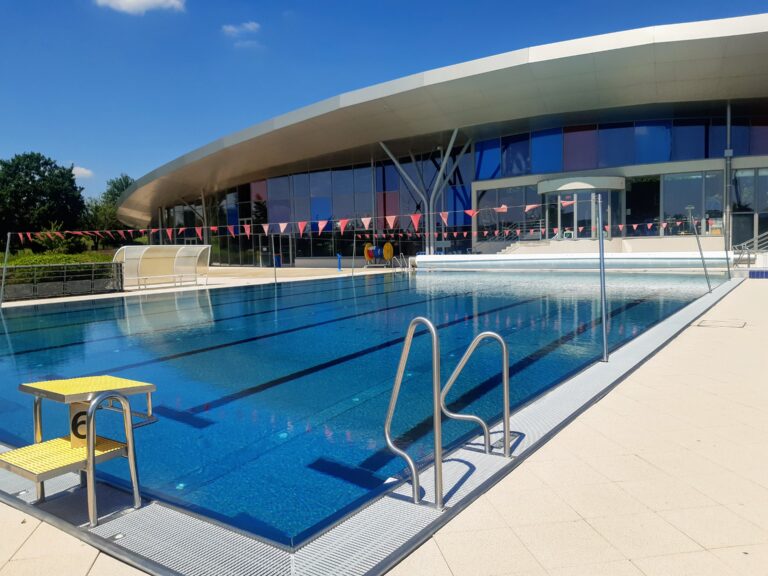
[[505, 390], [90, 466], [436, 411]]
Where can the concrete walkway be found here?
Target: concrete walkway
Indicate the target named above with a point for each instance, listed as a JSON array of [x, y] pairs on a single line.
[[667, 476]]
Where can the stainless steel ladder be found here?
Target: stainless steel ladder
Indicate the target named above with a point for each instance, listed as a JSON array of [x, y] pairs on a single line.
[[436, 412], [505, 391], [439, 406]]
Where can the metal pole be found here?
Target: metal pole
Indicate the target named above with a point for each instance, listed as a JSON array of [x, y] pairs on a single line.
[[274, 263], [5, 266], [603, 307], [698, 243], [354, 250]]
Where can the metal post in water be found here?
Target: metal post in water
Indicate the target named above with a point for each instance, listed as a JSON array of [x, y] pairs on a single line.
[[274, 262], [5, 267], [603, 307], [354, 246], [698, 243]]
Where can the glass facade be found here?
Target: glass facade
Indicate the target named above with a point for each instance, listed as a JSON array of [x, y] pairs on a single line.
[[652, 205]]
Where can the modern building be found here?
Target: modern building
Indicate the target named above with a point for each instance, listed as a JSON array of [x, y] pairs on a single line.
[[667, 124]]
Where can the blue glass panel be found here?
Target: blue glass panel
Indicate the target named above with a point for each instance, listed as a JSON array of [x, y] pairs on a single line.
[[689, 139], [717, 140], [547, 151], [232, 209], [487, 159], [516, 155], [387, 178], [653, 141], [320, 184], [758, 138], [320, 209], [580, 147], [279, 199], [616, 145], [458, 199], [363, 191], [343, 193], [740, 138]]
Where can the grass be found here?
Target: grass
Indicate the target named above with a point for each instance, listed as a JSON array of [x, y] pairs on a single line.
[[28, 259]]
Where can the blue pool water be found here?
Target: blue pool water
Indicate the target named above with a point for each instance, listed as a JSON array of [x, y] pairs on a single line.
[[271, 399]]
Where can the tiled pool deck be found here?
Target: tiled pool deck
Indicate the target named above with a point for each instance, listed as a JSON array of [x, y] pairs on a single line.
[[666, 475]]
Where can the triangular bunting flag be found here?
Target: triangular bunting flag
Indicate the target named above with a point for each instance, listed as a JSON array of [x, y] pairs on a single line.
[[169, 233], [199, 232], [247, 230], [649, 225], [283, 226], [529, 207], [501, 209], [21, 237], [415, 219], [231, 230], [444, 217], [366, 222], [321, 224], [343, 224], [265, 227], [470, 213], [302, 226], [391, 221]]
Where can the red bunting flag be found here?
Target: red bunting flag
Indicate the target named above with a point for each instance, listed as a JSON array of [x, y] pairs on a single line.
[[580, 229], [303, 225], [664, 224], [21, 237], [214, 228], [358, 236], [181, 231], [634, 226], [517, 231], [465, 234], [436, 234], [366, 222], [59, 234], [375, 235], [169, 233], [131, 233], [122, 234], [606, 227], [247, 230], [153, 230], [50, 236], [99, 234], [485, 232], [495, 232], [321, 224], [470, 213], [283, 226], [231, 229], [109, 233], [391, 221], [415, 219], [621, 227], [474, 234], [501, 209], [678, 222], [343, 224], [142, 231], [29, 236], [566, 203], [455, 234], [543, 231], [444, 217], [265, 227], [367, 236], [529, 207], [445, 235], [554, 230], [199, 232], [649, 225]]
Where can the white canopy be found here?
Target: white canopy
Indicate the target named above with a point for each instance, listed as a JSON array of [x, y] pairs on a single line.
[[165, 264]]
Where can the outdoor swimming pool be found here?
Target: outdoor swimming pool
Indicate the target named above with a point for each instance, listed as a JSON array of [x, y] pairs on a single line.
[[272, 399]]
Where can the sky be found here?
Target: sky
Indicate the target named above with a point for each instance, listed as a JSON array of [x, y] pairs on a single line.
[[124, 86]]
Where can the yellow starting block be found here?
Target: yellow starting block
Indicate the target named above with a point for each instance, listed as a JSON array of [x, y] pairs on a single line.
[[81, 450]]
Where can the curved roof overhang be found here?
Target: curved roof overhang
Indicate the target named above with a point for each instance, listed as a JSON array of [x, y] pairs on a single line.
[[716, 60]]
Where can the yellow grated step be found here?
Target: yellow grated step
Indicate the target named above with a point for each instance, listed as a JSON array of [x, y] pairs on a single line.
[[47, 457]]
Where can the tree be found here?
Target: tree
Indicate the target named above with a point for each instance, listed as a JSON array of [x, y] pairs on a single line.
[[101, 212], [35, 192]]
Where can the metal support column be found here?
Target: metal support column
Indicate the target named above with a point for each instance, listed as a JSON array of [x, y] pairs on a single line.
[[728, 177], [5, 266], [603, 305]]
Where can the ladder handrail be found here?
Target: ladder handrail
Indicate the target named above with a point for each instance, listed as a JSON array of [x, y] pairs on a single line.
[[90, 466], [436, 411], [505, 390]]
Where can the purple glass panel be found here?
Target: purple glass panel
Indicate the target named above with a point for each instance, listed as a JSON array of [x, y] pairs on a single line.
[[580, 147]]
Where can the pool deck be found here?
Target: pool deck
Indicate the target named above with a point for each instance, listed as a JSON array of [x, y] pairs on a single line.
[[664, 476]]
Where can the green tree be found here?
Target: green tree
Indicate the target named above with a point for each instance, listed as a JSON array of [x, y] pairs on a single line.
[[35, 192], [101, 212]]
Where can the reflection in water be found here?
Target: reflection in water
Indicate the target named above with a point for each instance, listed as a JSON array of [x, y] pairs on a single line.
[[155, 312]]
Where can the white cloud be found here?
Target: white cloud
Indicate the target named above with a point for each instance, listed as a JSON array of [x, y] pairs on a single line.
[[82, 173], [142, 6], [235, 30]]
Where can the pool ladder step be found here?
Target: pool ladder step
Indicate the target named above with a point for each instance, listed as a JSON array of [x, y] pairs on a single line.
[[439, 405]]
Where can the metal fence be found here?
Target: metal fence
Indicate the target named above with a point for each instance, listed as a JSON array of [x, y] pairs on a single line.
[[52, 280]]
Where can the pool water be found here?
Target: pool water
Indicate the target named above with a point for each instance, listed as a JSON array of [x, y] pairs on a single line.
[[271, 399]]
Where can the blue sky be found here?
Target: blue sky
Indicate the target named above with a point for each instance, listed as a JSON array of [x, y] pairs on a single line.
[[117, 86]]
